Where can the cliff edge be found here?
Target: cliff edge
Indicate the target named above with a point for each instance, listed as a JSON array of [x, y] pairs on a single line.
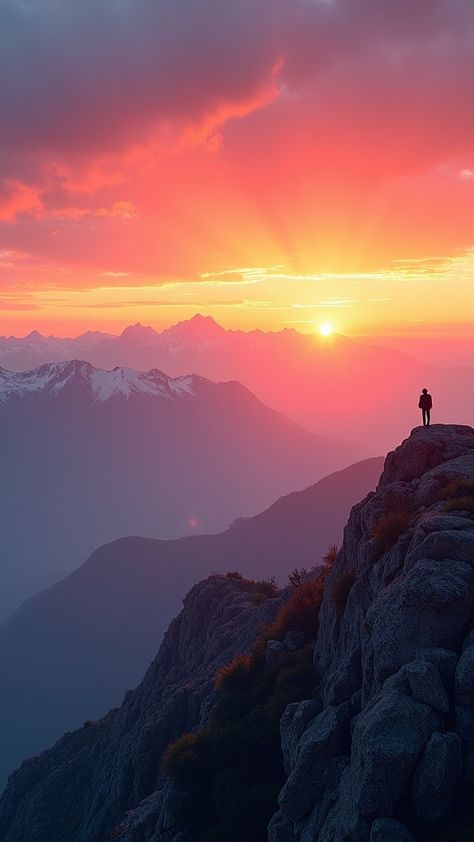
[[391, 754], [80, 789]]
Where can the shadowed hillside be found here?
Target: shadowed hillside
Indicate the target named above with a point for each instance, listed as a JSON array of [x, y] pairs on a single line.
[[70, 653], [89, 456]]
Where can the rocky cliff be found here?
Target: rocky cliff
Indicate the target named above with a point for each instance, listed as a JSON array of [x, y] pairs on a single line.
[[383, 751], [79, 790], [390, 754]]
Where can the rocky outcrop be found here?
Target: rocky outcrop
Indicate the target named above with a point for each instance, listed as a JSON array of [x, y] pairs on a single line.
[[79, 790], [383, 749], [388, 740]]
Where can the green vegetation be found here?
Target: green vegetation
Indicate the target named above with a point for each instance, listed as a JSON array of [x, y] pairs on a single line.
[[390, 527], [298, 614], [330, 555], [297, 576], [399, 511], [232, 771], [262, 589], [459, 496]]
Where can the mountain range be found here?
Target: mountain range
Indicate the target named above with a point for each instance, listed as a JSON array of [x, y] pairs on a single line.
[[70, 652], [333, 385], [89, 456]]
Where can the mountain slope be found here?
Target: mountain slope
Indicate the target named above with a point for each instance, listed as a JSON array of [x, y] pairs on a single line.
[[90, 455], [118, 757], [70, 653]]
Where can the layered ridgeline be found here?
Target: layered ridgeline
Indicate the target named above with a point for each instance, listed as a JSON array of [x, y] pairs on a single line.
[[377, 741], [88, 456], [322, 383], [70, 653]]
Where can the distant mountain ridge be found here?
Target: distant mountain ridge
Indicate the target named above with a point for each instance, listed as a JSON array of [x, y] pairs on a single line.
[[90, 455], [52, 379], [327, 384]]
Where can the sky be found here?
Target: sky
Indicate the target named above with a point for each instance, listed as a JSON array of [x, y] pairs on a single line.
[[272, 163]]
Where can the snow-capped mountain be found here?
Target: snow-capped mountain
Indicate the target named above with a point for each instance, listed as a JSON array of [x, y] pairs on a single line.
[[319, 382], [82, 379], [89, 455]]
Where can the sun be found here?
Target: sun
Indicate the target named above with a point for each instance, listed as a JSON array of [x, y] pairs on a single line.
[[325, 329]]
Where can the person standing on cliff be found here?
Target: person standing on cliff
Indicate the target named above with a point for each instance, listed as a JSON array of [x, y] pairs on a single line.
[[425, 404]]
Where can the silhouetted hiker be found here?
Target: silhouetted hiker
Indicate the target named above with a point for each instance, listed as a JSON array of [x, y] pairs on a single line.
[[425, 403]]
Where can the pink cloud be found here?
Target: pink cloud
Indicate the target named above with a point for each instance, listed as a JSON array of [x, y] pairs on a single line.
[[17, 198]]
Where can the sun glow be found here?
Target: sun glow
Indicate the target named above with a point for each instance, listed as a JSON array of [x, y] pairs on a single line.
[[325, 329]]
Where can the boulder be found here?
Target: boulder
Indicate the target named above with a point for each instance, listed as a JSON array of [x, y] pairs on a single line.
[[441, 543], [346, 680], [398, 681], [426, 448], [426, 685], [436, 776], [294, 722], [280, 829], [389, 830], [388, 740], [445, 659], [427, 606], [464, 678], [315, 770], [464, 727]]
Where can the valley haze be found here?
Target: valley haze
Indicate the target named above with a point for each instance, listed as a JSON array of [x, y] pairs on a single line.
[[335, 386]]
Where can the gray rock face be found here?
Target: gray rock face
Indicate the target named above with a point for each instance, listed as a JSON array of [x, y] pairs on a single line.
[[293, 724], [444, 659], [436, 776], [387, 742], [425, 684], [395, 655], [325, 740], [425, 450], [389, 830], [465, 677], [80, 789]]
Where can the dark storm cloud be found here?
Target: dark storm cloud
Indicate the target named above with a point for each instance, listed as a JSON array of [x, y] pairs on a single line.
[[79, 77]]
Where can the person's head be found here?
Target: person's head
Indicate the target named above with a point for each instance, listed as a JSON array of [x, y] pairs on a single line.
[[425, 391]]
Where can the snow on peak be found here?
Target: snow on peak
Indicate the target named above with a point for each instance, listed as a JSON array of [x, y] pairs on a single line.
[[82, 378], [125, 382]]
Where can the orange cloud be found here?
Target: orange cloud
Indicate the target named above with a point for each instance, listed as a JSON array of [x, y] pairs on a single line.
[[118, 210]]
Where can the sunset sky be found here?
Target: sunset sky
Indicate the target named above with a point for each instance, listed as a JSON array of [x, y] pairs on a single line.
[[272, 163]]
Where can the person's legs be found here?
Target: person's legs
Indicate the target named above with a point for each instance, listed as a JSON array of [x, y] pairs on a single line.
[[428, 417]]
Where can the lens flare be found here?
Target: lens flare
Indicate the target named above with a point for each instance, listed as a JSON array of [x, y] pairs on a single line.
[[325, 330]]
